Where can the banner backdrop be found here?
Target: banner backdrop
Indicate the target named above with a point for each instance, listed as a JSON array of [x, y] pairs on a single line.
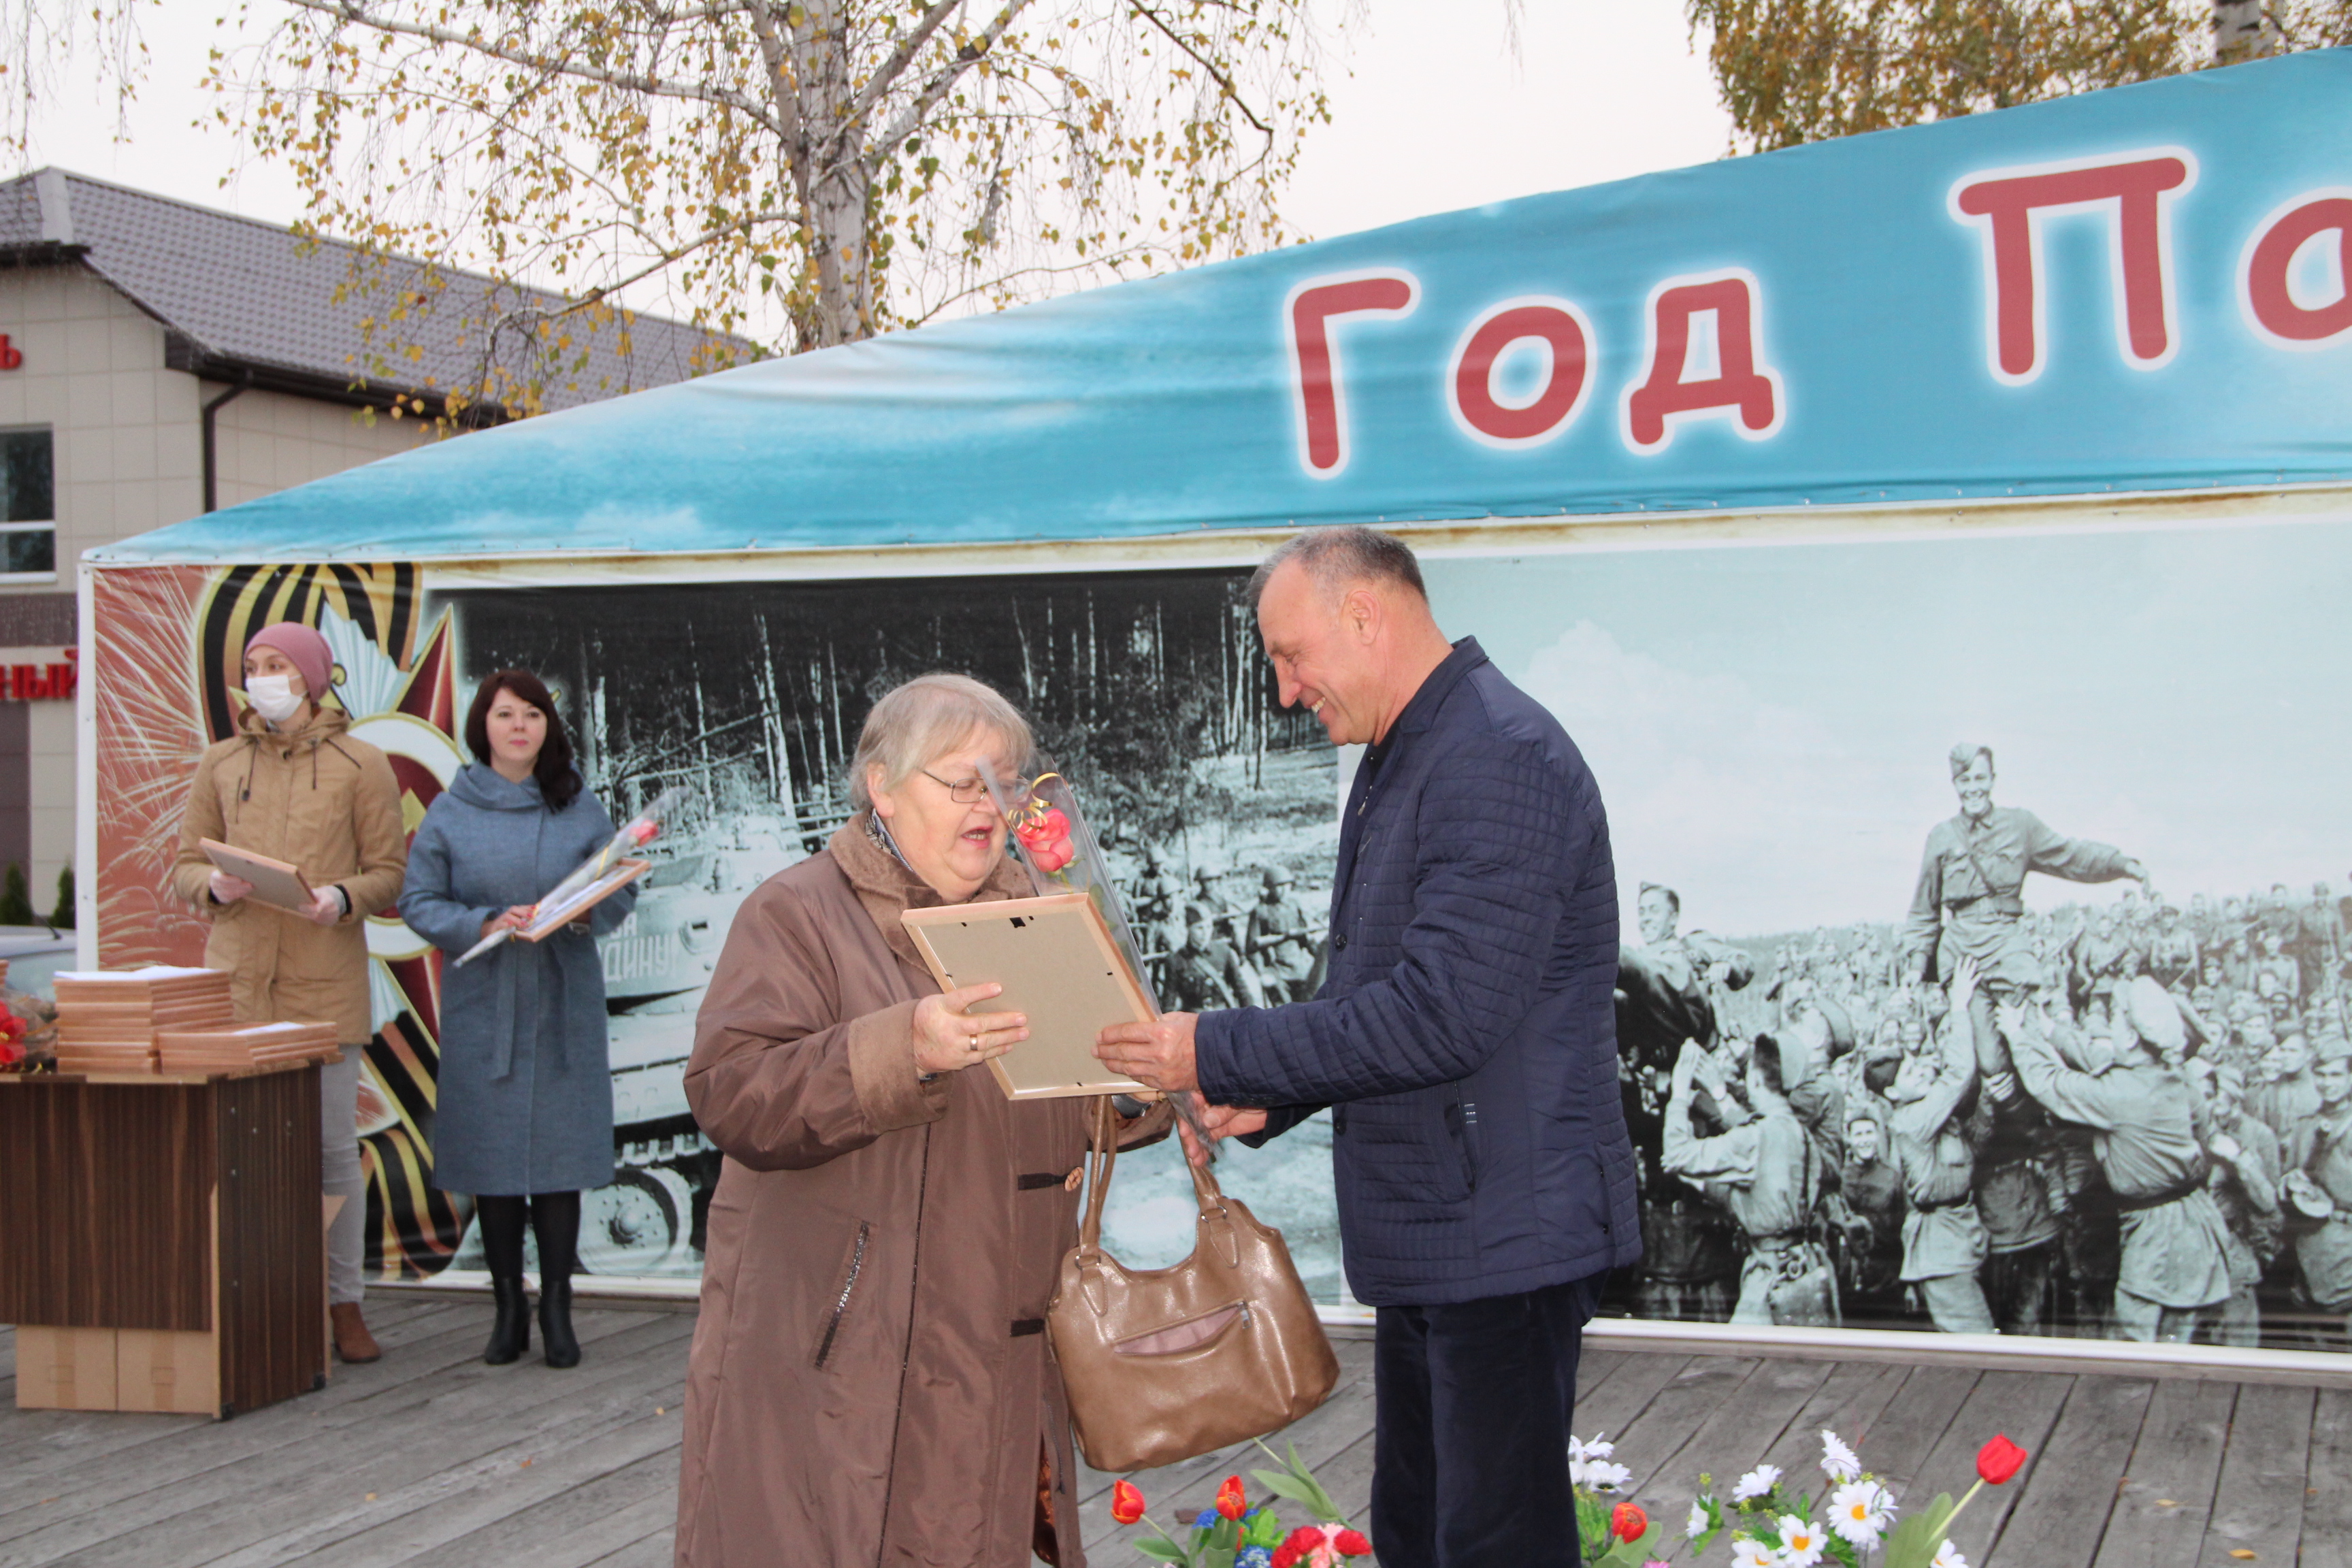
[[2131, 289], [2073, 744]]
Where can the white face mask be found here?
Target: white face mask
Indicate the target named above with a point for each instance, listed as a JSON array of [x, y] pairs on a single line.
[[274, 697]]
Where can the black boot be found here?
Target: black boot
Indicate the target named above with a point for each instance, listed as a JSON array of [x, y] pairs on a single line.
[[510, 1335], [501, 1223], [555, 1221]]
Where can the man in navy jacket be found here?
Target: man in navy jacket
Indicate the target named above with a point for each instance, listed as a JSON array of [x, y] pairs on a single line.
[[1466, 1043]]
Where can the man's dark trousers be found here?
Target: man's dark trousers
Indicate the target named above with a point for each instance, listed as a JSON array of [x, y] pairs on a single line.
[[1470, 1449]]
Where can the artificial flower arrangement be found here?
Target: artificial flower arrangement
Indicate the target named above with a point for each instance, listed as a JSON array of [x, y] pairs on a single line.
[[1770, 1525], [15, 1053], [1235, 1534]]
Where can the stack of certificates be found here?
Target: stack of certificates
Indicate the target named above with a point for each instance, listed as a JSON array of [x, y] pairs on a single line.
[[245, 1047], [108, 1020]]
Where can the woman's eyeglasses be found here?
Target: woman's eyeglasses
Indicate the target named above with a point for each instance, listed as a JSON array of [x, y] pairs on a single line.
[[973, 790]]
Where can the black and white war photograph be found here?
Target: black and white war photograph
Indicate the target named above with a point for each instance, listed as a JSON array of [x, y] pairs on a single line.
[[1216, 809], [1984, 914]]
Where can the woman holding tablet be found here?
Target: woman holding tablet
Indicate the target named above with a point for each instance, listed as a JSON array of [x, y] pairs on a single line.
[[523, 1117], [869, 1380], [293, 785]]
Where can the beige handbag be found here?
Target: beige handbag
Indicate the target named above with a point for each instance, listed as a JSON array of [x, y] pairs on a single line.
[[1164, 1364]]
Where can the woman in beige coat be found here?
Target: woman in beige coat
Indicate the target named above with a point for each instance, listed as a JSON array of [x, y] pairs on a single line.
[[293, 785], [870, 1382]]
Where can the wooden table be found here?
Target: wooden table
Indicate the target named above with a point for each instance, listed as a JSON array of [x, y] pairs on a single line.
[[160, 1240]]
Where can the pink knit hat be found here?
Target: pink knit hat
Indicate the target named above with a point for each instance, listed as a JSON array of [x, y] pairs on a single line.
[[306, 647]]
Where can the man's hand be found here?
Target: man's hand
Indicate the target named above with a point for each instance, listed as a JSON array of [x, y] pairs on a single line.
[[1157, 1054], [1220, 1122]]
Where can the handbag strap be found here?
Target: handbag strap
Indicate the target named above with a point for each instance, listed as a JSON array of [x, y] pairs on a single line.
[[1102, 1153]]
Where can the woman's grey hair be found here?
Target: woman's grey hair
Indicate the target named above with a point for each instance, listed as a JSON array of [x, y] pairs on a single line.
[[925, 718]]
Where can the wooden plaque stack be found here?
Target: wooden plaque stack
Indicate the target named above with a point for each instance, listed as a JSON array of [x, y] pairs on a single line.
[[107, 1021], [242, 1047]]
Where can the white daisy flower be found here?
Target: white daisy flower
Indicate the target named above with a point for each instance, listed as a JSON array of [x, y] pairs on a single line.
[[1861, 1512], [1757, 1482], [1602, 1475], [1838, 1461], [1747, 1552], [1801, 1543], [1698, 1522], [1949, 1557], [1580, 1449]]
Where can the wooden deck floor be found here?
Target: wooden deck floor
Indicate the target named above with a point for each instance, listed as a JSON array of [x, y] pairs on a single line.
[[428, 1457]]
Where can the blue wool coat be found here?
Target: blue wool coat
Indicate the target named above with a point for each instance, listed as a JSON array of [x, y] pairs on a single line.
[[1466, 1039], [525, 1096]]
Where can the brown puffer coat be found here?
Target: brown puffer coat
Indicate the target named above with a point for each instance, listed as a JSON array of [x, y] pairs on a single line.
[[870, 1382], [311, 796]]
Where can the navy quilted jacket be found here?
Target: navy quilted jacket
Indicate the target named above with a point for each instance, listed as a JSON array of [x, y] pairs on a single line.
[[1466, 1039]]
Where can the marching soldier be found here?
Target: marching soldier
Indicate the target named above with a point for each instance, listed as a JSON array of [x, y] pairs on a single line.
[[1281, 938]]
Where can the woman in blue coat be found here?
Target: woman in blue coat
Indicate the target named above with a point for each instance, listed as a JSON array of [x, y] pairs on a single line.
[[524, 1117]]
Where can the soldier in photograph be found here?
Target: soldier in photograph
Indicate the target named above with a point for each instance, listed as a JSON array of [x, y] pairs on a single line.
[[1970, 896], [2320, 1191], [2245, 1182], [1281, 937], [2172, 951], [2144, 1119], [1944, 1241], [1204, 971], [1766, 1172], [1874, 1194]]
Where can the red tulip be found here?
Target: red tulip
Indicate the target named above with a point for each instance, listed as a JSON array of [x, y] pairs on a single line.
[[1628, 1522], [11, 1053], [2000, 1460], [1126, 1502], [1351, 1543], [1231, 1501]]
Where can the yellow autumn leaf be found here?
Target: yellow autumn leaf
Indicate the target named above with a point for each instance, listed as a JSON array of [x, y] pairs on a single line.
[[2240, 1552]]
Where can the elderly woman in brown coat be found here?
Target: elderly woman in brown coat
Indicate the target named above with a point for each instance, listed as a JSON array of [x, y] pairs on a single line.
[[870, 1382]]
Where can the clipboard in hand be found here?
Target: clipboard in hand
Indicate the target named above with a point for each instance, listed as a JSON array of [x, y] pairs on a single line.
[[1058, 965], [550, 917], [275, 882]]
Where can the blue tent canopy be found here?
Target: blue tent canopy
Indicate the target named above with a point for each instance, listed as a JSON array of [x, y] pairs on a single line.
[[2136, 289]]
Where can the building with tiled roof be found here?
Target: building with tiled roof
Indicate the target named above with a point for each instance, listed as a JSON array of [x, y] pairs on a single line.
[[158, 359]]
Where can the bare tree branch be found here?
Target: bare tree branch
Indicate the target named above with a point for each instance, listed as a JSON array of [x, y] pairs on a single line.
[[357, 14], [890, 70], [1224, 82], [919, 110]]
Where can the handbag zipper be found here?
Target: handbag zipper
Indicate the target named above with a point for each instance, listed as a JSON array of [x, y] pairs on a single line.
[[841, 1303]]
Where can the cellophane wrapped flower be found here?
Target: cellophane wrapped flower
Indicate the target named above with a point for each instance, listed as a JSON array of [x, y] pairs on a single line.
[[1050, 838]]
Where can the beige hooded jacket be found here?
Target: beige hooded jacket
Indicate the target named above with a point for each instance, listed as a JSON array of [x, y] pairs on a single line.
[[310, 794]]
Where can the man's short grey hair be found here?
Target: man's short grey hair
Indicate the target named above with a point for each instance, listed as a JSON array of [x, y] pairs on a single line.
[[920, 720], [1341, 555]]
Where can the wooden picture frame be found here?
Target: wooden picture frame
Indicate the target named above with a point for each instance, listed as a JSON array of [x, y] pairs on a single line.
[[276, 883], [549, 919], [1056, 960]]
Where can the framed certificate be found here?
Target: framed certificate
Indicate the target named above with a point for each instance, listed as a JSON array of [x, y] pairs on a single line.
[[553, 916], [275, 882], [1058, 965]]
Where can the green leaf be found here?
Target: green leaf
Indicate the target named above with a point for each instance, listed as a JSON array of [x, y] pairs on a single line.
[[1630, 1553], [1915, 1540], [1290, 1487], [1165, 1550]]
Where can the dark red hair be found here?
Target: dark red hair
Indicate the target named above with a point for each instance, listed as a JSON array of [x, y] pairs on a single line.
[[559, 781]]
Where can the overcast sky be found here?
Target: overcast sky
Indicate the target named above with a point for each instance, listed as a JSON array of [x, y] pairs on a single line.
[[1432, 112]]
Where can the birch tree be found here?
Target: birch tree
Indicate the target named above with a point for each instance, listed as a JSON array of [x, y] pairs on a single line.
[[801, 172], [1792, 71]]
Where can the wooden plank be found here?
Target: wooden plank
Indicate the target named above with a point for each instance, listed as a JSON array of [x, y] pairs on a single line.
[[565, 1543], [2328, 1489], [271, 1270], [2061, 1511], [1610, 1406], [1914, 1423], [1849, 1403], [653, 1551], [1732, 1438], [2258, 1504], [2159, 1516], [2020, 1405], [237, 1488], [1678, 1409], [300, 1504]]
